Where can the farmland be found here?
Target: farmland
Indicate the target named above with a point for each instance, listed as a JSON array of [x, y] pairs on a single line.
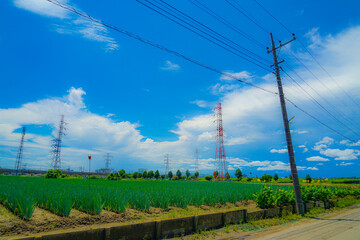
[[59, 196]]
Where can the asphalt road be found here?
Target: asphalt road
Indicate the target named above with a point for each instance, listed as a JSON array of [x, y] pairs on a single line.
[[344, 226]]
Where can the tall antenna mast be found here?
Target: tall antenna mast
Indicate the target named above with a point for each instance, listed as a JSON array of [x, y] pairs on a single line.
[[167, 161], [196, 160], [56, 146], [220, 156], [19, 155]]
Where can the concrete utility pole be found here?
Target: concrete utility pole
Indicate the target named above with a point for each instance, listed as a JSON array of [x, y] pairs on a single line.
[[295, 178]]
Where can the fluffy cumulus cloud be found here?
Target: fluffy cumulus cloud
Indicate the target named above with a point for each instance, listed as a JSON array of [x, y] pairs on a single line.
[[305, 149], [345, 154], [317, 159], [284, 150], [68, 23]]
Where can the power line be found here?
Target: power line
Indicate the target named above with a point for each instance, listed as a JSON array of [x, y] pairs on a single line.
[[309, 52], [324, 99], [321, 106], [148, 42], [210, 29], [253, 61], [237, 8], [226, 22], [143, 40]]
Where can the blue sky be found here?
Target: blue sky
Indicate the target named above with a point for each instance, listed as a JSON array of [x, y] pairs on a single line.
[[139, 103]]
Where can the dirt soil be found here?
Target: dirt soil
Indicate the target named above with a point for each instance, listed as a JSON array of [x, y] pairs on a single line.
[[44, 221]]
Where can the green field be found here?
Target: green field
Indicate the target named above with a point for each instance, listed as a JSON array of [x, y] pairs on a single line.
[[22, 194]]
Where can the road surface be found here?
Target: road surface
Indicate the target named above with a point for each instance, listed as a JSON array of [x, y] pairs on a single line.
[[343, 226]]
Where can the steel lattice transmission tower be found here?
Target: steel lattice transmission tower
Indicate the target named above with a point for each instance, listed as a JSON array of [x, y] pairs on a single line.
[[107, 161], [19, 155], [167, 164], [220, 156], [196, 160], [56, 146]]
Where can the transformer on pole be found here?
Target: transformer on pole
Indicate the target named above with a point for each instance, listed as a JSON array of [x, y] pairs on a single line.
[[56, 145], [19, 155], [220, 156]]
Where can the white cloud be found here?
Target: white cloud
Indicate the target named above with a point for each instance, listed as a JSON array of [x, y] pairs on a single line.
[[344, 164], [170, 66], [312, 168], [219, 88], [203, 104], [347, 154], [305, 149], [243, 75], [284, 150], [350, 144], [325, 141], [317, 159], [43, 7], [69, 23]]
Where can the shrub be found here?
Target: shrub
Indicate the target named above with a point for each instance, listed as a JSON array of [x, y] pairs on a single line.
[[249, 179], [266, 178], [175, 178], [145, 174], [55, 174], [284, 197], [196, 174], [135, 175], [170, 174], [265, 198], [93, 177], [162, 176], [208, 178]]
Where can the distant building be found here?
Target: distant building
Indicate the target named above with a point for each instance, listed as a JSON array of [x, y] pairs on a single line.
[[104, 171]]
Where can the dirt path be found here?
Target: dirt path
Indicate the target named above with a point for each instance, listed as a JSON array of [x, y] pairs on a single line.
[[343, 226]]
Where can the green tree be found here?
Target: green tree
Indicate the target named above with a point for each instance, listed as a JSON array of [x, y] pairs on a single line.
[[178, 174], [135, 175], [157, 174], [170, 174], [238, 174], [266, 178], [290, 176], [196, 174], [187, 173], [145, 175], [209, 178], [151, 174], [139, 175], [308, 178], [276, 177], [162, 176], [122, 173]]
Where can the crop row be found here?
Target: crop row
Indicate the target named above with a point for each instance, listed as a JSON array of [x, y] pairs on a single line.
[[22, 194]]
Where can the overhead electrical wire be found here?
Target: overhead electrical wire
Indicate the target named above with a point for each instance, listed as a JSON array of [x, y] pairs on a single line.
[[208, 36], [148, 42], [243, 12], [309, 52], [174, 9], [226, 22], [322, 107]]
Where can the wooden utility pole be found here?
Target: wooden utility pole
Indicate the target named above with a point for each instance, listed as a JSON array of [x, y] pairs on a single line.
[[294, 174]]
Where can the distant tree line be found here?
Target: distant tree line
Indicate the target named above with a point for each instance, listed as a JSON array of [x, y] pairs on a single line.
[[152, 175]]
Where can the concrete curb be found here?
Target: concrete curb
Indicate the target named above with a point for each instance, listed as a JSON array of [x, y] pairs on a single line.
[[171, 227]]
